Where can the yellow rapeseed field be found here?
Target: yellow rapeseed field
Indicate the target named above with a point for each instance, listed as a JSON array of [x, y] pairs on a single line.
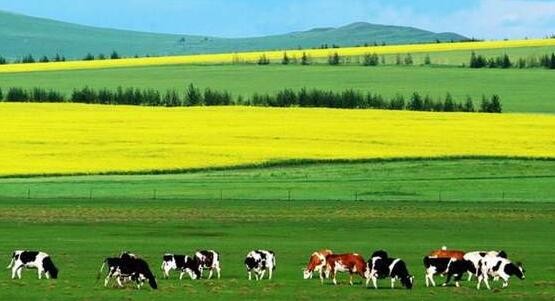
[[74, 138], [273, 55]]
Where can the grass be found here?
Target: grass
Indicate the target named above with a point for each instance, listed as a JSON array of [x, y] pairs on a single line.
[[520, 90], [407, 220], [73, 138]]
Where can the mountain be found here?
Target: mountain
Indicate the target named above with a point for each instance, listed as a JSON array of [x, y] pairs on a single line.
[[21, 35]]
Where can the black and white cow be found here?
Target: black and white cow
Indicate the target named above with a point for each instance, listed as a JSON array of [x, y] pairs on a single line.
[[381, 266], [128, 268], [495, 266], [183, 264], [446, 266], [209, 260], [260, 261], [476, 256], [32, 260]]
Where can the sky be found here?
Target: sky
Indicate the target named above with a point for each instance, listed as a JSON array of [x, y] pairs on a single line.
[[485, 19]]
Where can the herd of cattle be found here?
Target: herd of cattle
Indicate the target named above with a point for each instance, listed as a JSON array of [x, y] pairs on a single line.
[[452, 264]]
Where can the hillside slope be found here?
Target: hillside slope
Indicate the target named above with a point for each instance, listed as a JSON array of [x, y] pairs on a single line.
[[21, 35]]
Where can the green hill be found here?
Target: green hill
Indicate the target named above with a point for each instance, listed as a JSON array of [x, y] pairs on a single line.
[[21, 35]]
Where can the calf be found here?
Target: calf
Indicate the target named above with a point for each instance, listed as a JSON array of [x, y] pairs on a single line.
[[445, 253], [316, 263], [32, 260], [476, 256], [380, 266], [128, 268], [446, 266], [182, 263], [496, 266], [352, 263], [260, 261], [209, 260]]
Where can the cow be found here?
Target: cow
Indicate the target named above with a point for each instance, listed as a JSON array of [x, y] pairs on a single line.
[[260, 261], [128, 268], [32, 260], [182, 263], [351, 263], [316, 263], [496, 266], [449, 266], [476, 256], [209, 260], [445, 253], [381, 266]]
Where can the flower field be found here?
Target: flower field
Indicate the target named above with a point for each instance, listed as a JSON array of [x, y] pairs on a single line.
[[227, 58], [71, 138]]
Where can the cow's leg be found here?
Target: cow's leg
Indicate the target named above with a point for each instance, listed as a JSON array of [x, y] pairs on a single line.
[[250, 275], [505, 281], [486, 281], [19, 271], [469, 276], [181, 275], [15, 267], [448, 279], [392, 282], [39, 272], [270, 271], [427, 278], [106, 281], [210, 273], [218, 271], [262, 274], [375, 281], [118, 280]]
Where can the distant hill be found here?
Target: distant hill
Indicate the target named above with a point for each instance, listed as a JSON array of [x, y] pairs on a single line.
[[21, 35]]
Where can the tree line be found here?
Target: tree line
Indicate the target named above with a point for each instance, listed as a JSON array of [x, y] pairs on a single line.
[[310, 98], [479, 61], [29, 58]]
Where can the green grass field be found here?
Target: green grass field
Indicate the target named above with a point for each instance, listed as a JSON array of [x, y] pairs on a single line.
[[520, 90], [485, 204]]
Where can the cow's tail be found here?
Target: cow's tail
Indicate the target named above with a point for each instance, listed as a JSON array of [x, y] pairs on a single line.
[[11, 262], [49, 267], [151, 279], [101, 270]]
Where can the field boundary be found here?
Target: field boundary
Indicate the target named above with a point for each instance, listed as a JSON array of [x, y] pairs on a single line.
[[273, 163]]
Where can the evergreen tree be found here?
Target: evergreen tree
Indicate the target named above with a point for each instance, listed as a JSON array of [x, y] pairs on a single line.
[[1, 95], [285, 60], [408, 59], [448, 104], [506, 62], [370, 60], [427, 60], [89, 57], [3, 61], [484, 104], [552, 61], [398, 60], [263, 60], [193, 96], [28, 59], [114, 55], [305, 59], [415, 102], [468, 105], [334, 59], [495, 104], [101, 57]]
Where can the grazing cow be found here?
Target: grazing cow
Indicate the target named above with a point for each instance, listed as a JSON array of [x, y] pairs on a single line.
[[209, 260], [445, 253], [496, 266], [316, 263], [352, 263], [183, 263], [128, 268], [381, 266], [476, 256], [260, 261], [32, 260], [450, 266]]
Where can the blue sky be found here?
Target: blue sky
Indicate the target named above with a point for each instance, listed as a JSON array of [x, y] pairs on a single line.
[[490, 19]]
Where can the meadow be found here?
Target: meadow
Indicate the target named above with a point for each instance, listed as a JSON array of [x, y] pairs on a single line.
[[42, 139], [525, 90], [398, 210]]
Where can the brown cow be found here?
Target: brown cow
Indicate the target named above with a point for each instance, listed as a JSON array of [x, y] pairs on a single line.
[[444, 253], [316, 263], [351, 263]]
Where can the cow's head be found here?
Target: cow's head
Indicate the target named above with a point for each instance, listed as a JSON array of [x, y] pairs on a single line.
[[307, 274], [408, 281]]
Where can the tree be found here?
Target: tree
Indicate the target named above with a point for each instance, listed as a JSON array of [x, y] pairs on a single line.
[[427, 60], [552, 61], [285, 60], [101, 57], [468, 105], [408, 59], [3, 61], [398, 59], [415, 102], [397, 103], [448, 104], [1, 95], [263, 60], [495, 104], [171, 99], [506, 62], [334, 59], [193, 96], [89, 57], [484, 104], [370, 60], [305, 59], [114, 55], [28, 59]]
